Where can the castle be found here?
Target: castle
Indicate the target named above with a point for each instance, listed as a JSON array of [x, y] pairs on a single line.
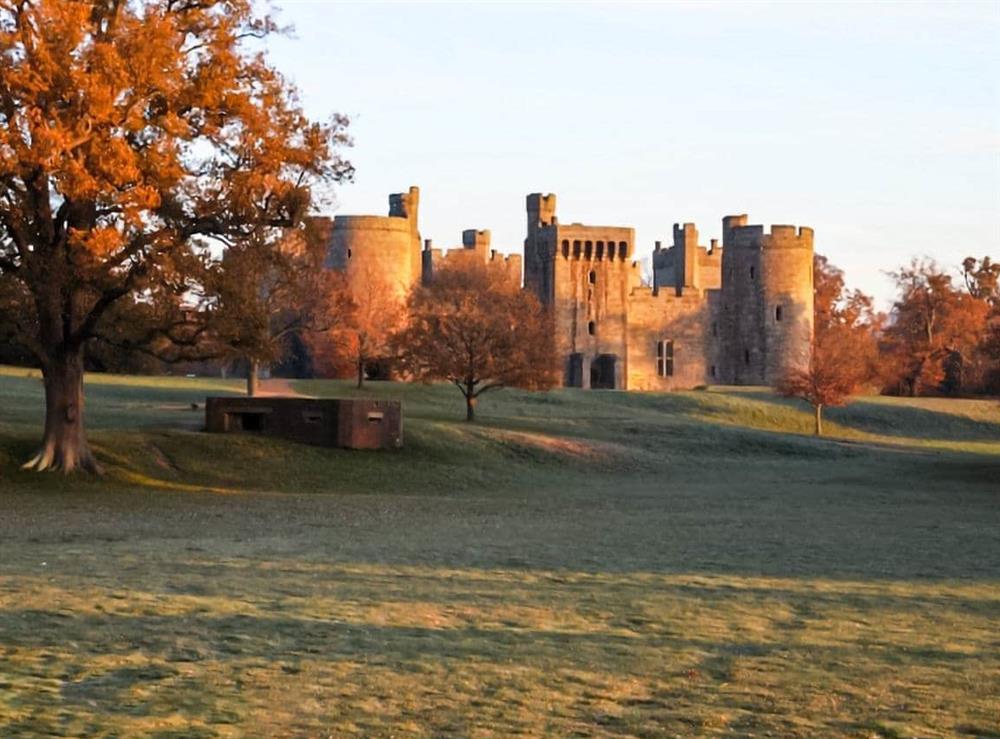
[[735, 313]]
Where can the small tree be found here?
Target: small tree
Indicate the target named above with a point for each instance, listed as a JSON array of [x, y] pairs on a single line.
[[474, 327], [837, 370], [265, 294], [843, 349]]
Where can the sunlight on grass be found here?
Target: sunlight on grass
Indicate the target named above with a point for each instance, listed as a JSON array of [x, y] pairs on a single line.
[[378, 648], [588, 563]]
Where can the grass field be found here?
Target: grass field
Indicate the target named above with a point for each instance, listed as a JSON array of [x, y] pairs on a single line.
[[577, 564]]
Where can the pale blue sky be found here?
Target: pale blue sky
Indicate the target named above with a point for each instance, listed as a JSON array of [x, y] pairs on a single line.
[[876, 124]]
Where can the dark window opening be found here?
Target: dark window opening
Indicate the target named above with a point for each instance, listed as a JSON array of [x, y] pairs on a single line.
[[746, 356], [592, 328], [348, 253], [602, 372], [565, 248], [622, 249], [665, 358], [713, 370], [253, 422], [752, 272], [777, 313], [576, 249], [600, 250], [588, 250], [592, 277], [312, 416]]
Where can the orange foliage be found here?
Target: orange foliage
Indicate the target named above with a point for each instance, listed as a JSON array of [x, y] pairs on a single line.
[[477, 329], [137, 139]]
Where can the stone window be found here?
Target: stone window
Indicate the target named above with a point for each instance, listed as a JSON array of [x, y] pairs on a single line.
[[753, 272], [665, 358], [777, 313], [622, 249], [576, 250], [592, 277], [348, 253], [592, 328], [600, 250], [565, 248], [588, 249], [746, 356]]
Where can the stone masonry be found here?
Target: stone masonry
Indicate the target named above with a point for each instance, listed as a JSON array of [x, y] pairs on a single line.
[[737, 313]]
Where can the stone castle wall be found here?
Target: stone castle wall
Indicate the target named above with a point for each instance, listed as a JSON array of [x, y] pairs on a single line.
[[739, 313], [475, 248]]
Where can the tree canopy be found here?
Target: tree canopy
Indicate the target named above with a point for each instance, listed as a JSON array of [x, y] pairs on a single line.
[[137, 139], [475, 327]]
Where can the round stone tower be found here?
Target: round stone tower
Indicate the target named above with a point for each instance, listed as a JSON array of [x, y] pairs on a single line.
[[764, 316], [787, 297], [382, 248]]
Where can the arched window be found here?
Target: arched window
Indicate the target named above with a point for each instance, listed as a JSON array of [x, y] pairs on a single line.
[[348, 253], [576, 250], [592, 277], [622, 250], [588, 249], [565, 248], [665, 358], [592, 328], [600, 250], [777, 313]]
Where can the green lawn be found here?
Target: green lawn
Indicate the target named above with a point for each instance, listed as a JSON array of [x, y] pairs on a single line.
[[577, 564]]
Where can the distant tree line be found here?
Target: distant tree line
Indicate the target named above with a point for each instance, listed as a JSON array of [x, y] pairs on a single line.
[[941, 336]]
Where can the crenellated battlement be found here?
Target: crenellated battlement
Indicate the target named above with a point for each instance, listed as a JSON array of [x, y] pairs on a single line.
[[780, 236]]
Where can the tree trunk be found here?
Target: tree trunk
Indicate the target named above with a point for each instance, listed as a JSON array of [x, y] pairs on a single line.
[[64, 443], [253, 378], [470, 408], [818, 408], [361, 373]]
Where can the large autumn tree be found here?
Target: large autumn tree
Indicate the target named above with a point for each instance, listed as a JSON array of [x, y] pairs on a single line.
[[843, 352], [476, 328], [133, 134]]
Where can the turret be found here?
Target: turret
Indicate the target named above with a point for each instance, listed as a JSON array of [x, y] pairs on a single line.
[[541, 211], [765, 310], [686, 251]]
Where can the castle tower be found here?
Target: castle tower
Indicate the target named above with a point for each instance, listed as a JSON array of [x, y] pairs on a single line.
[[538, 250], [787, 298], [584, 273], [386, 248], [763, 318], [688, 278]]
